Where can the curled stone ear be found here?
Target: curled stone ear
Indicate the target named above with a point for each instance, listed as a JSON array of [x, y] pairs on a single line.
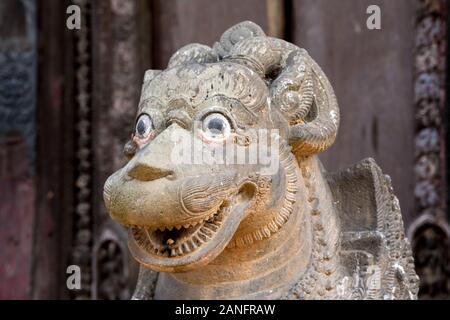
[[304, 95], [298, 88], [293, 89]]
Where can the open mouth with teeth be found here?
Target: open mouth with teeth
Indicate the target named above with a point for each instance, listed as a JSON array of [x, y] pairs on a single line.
[[183, 247], [181, 239]]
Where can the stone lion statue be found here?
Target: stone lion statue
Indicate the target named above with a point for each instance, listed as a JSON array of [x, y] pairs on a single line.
[[221, 228]]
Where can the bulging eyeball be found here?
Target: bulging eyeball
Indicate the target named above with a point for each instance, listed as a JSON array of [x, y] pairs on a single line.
[[144, 128], [216, 127]]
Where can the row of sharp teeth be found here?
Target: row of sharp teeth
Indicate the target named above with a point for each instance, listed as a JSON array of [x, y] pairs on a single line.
[[186, 226], [200, 237]]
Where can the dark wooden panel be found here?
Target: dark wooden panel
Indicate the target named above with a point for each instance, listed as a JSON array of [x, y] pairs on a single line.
[[55, 155], [372, 74], [179, 22], [120, 56]]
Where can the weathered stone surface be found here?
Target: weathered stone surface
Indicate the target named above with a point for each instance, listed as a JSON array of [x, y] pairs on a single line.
[[217, 225]]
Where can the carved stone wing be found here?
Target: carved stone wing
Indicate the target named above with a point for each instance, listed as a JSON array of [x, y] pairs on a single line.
[[374, 247]]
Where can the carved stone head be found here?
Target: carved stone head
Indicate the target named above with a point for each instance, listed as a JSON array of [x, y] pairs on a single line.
[[196, 181]]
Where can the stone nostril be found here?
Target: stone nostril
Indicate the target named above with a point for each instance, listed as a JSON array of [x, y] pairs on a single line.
[[130, 149], [145, 172]]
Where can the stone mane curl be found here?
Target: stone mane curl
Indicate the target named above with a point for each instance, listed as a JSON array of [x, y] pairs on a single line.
[[222, 80], [293, 78]]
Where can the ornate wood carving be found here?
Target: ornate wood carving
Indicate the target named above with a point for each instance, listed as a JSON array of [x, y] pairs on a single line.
[[18, 71], [110, 54], [430, 231], [111, 268], [83, 220]]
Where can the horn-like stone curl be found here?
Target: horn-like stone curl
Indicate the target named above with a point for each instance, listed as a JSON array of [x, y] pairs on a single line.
[[298, 86], [299, 89]]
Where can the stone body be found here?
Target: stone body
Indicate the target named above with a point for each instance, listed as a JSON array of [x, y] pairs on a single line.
[[231, 230]]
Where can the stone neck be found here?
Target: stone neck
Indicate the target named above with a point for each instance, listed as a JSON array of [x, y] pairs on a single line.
[[253, 272]]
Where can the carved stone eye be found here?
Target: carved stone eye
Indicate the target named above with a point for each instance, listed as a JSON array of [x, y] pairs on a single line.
[[144, 127], [216, 126]]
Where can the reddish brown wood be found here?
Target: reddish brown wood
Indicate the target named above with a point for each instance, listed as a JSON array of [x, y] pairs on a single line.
[[17, 195], [17, 133]]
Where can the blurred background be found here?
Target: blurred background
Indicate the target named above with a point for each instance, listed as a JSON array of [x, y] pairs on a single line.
[[68, 100]]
